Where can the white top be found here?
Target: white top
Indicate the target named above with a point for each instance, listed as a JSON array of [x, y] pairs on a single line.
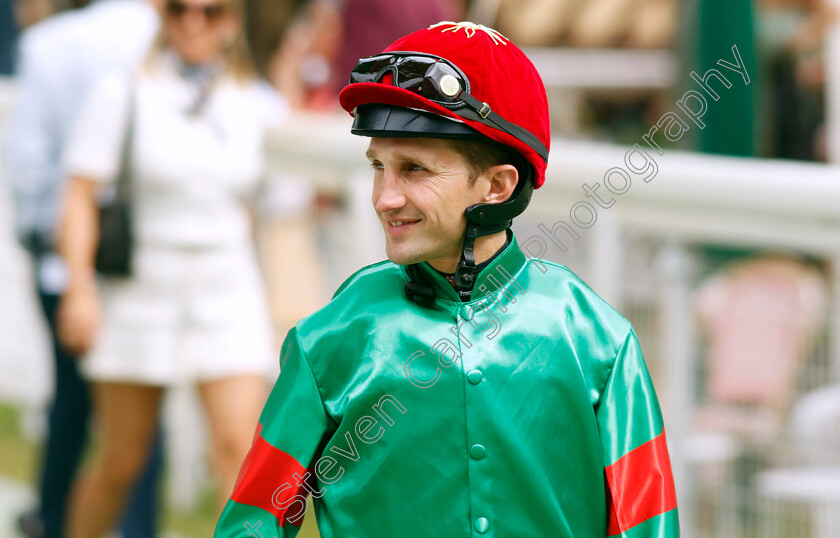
[[191, 175], [59, 59]]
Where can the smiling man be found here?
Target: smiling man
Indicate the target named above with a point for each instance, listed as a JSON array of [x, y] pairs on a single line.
[[459, 388]]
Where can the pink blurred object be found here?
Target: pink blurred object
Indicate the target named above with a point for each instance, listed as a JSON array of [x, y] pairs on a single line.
[[760, 318]]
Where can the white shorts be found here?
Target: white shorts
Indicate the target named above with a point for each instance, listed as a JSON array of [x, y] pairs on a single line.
[[184, 316]]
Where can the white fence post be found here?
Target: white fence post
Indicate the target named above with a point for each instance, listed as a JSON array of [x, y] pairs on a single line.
[[677, 346]]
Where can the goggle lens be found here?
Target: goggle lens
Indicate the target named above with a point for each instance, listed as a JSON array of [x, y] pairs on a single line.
[[428, 76]]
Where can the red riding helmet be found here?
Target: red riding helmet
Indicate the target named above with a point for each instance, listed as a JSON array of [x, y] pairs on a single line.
[[466, 72]]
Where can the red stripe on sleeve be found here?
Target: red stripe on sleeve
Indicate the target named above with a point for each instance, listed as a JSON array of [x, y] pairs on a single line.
[[640, 486], [266, 480]]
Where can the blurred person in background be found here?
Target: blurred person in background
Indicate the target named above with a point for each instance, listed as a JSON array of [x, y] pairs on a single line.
[[791, 34], [368, 26], [59, 59], [193, 309], [303, 64], [16, 15], [326, 38]]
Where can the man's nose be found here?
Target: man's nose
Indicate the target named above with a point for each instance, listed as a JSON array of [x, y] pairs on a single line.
[[387, 195]]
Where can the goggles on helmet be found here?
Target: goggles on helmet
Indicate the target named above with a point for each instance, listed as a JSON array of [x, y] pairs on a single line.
[[439, 81], [429, 76]]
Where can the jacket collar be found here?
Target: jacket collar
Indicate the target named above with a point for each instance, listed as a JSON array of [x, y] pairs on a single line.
[[511, 260]]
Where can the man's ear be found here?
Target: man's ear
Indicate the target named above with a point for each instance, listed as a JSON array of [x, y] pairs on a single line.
[[502, 182]]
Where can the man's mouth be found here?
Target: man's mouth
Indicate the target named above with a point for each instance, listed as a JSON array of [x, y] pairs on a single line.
[[397, 227], [397, 224]]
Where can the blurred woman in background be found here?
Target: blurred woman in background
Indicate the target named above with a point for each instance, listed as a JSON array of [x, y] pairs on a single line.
[[193, 309]]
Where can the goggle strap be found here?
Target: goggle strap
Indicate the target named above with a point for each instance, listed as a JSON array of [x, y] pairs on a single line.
[[482, 113]]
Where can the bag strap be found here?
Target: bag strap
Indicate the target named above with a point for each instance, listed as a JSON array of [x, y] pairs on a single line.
[[123, 188]]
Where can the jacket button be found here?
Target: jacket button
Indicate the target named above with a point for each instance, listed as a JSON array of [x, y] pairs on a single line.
[[475, 377], [477, 452], [482, 525]]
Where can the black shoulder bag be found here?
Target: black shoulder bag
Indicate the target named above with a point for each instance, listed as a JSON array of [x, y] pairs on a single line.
[[116, 238]]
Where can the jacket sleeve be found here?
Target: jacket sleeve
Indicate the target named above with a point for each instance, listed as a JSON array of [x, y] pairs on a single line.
[[33, 138], [269, 498], [641, 499]]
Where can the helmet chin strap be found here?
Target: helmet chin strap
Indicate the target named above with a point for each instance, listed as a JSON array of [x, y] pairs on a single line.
[[488, 219], [465, 271]]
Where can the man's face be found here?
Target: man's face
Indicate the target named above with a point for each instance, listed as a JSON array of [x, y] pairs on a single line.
[[420, 191]]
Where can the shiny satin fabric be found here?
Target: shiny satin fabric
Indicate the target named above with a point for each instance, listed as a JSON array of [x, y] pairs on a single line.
[[496, 417]]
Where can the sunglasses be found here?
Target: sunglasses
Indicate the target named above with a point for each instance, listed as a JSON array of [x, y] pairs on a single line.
[[212, 12], [440, 81]]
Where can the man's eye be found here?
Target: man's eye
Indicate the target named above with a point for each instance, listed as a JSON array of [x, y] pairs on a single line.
[[376, 165], [414, 167]]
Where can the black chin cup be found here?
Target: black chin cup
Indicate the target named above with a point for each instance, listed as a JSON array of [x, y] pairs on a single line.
[[493, 214], [487, 219]]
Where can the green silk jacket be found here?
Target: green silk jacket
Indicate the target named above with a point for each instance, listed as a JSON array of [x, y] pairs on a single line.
[[527, 411]]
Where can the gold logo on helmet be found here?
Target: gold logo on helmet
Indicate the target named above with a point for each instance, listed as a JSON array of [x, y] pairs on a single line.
[[469, 30]]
